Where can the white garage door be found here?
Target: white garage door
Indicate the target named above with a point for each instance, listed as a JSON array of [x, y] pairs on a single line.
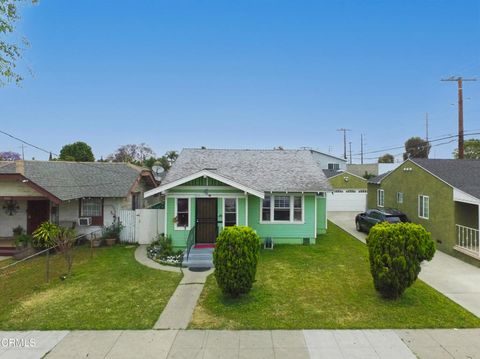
[[347, 200]]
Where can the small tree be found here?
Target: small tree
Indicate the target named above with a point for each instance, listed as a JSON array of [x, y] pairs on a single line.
[[78, 151], [396, 252], [416, 147], [386, 158], [471, 150], [235, 258], [49, 234], [10, 156]]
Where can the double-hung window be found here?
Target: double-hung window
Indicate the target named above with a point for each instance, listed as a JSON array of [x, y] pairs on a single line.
[[266, 208], [423, 206], [380, 198], [182, 212], [399, 197], [93, 208], [334, 166], [230, 212], [282, 208]]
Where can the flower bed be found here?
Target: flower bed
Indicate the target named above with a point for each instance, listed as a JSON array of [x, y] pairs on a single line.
[[161, 251]]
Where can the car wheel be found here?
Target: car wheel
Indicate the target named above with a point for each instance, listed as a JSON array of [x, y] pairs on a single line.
[[358, 226]]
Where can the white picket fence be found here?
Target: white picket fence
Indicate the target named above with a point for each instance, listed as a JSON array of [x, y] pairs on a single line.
[[141, 225]]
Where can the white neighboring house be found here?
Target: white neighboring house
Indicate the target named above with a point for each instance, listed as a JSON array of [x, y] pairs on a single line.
[[86, 195], [329, 162]]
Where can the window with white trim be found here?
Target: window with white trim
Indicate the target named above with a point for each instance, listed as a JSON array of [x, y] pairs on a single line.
[[91, 207], [230, 212], [334, 166], [266, 208], [297, 209], [380, 197], [182, 212], [399, 197], [423, 206], [282, 208]]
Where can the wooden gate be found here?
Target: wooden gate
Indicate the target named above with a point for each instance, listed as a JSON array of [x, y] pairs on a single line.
[[142, 225]]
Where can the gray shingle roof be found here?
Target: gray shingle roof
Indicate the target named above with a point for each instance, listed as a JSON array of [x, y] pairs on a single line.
[[378, 179], [461, 174], [70, 180], [331, 173], [261, 170]]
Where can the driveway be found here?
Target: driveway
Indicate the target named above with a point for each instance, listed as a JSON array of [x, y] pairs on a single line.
[[452, 277]]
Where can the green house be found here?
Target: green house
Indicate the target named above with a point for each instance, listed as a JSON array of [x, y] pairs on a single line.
[[441, 194], [281, 194]]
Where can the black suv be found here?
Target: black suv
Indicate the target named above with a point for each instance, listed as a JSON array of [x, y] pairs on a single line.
[[366, 220]]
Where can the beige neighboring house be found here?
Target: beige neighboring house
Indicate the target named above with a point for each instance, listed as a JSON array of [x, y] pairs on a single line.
[[86, 195]]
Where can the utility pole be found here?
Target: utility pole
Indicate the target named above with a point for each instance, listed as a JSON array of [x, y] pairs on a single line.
[[23, 153], [459, 81], [361, 148], [350, 150], [426, 126], [344, 130]]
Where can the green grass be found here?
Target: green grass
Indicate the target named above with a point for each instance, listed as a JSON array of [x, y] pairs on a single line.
[[327, 285], [109, 291]]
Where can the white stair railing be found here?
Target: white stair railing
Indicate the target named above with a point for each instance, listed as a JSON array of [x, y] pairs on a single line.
[[468, 239]]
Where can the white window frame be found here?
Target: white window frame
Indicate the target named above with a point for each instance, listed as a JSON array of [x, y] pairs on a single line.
[[382, 196], [272, 209], [189, 202], [421, 208], [236, 210], [335, 166], [400, 197]]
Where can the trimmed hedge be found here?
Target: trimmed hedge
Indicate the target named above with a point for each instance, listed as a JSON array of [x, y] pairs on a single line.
[[396, 251], [235, 258]]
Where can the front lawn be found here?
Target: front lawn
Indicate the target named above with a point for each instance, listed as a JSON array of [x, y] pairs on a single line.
[[109, 291], [327, 285]]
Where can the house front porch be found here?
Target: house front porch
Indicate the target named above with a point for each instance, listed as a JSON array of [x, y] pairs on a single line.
[[467, 224]]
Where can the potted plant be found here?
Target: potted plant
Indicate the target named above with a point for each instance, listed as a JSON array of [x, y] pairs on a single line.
[[112, 232], [96, 242]]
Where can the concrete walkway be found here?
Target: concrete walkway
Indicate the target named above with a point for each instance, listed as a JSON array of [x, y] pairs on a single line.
[[141, 257], [179, 310], [251, 344], [455, 279]]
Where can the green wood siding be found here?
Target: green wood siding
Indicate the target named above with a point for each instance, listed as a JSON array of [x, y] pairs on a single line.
[[321, 215], [284, 232], [352, 182], [443, 215]]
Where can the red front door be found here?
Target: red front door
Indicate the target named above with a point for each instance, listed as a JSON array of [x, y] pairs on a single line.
[[37, 213]]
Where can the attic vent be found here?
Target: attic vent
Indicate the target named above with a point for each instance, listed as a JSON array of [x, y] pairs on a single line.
[[306, 241]]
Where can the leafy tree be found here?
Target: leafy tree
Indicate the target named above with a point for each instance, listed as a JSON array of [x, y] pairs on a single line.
[[386, 158], [396, 252], [9, 155], [367, 175], [132, 153], [416, 147], [10, 51], [78, 151], [235, 258], [471, 149]]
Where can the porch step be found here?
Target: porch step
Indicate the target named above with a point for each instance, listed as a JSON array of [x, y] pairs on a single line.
[[7, 251], [199, 258]]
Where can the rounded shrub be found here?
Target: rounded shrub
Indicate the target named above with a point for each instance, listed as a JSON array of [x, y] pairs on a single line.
[[235, 258], [395, 252]]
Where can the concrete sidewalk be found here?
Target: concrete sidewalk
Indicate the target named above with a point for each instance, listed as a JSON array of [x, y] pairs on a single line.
[[251, 344], [455, 279]]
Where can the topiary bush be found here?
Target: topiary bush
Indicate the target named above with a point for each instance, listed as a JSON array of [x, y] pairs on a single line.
[[235, 258], [395, 252]]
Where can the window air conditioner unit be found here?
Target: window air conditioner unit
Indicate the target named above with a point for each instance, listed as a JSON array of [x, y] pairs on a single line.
[[84, 221]]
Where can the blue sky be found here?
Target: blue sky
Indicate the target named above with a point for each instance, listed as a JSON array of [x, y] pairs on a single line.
[[243, 74]]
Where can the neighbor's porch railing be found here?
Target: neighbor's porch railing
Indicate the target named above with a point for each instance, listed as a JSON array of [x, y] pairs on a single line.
[[468, 240]]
